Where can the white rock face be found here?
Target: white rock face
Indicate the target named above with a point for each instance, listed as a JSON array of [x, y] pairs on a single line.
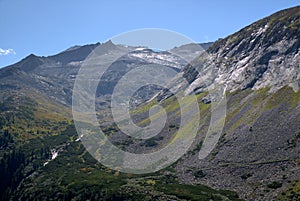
[[279, 70], [264, 54]]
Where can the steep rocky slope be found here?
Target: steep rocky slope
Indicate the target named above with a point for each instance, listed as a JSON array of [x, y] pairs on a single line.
[[258, 152], [263, 54]]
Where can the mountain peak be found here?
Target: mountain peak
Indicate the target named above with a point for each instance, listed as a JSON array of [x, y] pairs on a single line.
[[30, 62], [31, 56], [109, 44]]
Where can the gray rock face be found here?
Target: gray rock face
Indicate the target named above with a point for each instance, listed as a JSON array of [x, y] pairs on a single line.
[[264, 54]]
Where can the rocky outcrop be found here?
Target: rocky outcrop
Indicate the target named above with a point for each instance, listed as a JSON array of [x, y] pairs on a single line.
[[263, 54]]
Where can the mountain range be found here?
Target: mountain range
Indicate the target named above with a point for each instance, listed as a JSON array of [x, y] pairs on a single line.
[[256, 158]]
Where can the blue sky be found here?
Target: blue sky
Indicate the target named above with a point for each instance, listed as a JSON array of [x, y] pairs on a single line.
[[46, 27]]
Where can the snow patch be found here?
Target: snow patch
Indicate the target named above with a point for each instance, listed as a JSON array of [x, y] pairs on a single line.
[[140, 48]]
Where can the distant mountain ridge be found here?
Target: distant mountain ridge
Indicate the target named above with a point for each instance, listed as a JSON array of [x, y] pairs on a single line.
[[54, 75]]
